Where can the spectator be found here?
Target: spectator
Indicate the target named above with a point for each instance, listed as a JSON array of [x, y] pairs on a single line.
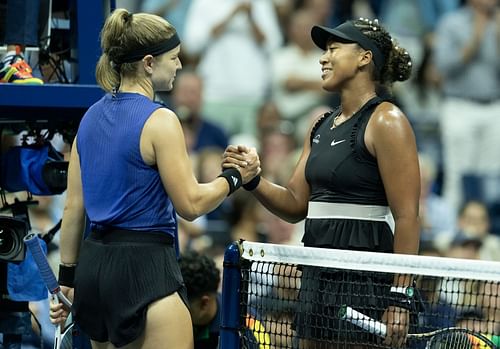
[[234, 39], [348, 9], [245, 219], [295, 85], [187, 98], [464, 246], [174, 11], [474, 223], [472, 238], [202, 279], [268, 118], [436, 216], [21, 31], [471, 87], [414, 17], [422, 101], [322, 9]]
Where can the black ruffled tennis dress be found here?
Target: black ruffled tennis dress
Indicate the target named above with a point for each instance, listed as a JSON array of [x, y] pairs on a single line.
[[340, 169]]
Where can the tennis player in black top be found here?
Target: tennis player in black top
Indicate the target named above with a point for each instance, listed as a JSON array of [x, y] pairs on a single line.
[[356, 184]]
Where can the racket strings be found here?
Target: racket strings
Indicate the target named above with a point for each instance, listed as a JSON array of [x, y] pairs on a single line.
[[458, 340]]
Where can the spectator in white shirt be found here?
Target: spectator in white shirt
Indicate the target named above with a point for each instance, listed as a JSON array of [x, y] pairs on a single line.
[[233, 39]]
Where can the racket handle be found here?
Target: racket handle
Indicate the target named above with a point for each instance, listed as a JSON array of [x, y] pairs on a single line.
[[57, 335], [48, 277], [64, 300], [361, 320]]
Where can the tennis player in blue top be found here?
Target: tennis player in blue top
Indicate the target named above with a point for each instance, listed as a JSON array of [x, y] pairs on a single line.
[[130, 173]]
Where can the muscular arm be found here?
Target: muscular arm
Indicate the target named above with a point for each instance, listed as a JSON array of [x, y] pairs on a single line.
[[290, 202], [163, 144], [73, 221], [390, 139]]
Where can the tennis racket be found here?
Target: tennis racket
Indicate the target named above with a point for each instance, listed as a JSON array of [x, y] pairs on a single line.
[[63, 338], [445, 338]]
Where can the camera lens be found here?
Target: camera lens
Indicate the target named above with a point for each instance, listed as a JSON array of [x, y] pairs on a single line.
[[12, 232], [8, 244]]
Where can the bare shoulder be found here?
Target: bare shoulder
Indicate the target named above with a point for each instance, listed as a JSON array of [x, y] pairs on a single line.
[[388, 119], [387, 113], [387, 125], [162, 120], [162, 115]]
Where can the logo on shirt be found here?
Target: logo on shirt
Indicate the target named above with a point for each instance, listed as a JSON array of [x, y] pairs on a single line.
[[334, 143], [316, 139]]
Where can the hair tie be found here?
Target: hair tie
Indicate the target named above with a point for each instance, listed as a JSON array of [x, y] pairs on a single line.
[[128, 17]]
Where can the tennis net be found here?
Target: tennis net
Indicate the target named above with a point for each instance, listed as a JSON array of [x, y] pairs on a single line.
[[280, 296]]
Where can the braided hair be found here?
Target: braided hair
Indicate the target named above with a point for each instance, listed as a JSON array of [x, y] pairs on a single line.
[[398, 64]]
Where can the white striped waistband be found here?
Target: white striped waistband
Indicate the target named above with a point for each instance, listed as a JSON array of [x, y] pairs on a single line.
[[329, 210]]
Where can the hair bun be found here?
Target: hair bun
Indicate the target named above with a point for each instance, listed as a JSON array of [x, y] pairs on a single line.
[[402, 64]]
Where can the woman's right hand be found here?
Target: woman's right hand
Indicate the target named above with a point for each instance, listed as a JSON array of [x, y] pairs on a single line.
[[59, 312], [244, 159]]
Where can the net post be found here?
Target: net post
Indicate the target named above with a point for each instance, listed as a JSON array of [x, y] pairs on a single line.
[[230, 315]]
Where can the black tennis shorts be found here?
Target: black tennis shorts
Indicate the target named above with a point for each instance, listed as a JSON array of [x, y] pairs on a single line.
[[119, 273]]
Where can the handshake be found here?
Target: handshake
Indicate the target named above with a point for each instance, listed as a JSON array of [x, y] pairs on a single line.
[[241, 167]]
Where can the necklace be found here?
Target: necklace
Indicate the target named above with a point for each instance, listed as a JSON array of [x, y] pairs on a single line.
[[337, 123], [336, 119]]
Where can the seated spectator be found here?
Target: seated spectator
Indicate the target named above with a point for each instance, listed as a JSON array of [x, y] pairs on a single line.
[[202, 278], [436, 216], [464, 246], [21, 31], [474, 221], [187, 99]]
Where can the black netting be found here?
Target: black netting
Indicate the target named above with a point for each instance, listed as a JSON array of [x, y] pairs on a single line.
[[313, 307]]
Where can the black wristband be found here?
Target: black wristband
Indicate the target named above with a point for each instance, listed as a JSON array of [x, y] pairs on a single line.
[[402, 297], [67, 275], [252, 184], [402, 303], [233, 178]]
